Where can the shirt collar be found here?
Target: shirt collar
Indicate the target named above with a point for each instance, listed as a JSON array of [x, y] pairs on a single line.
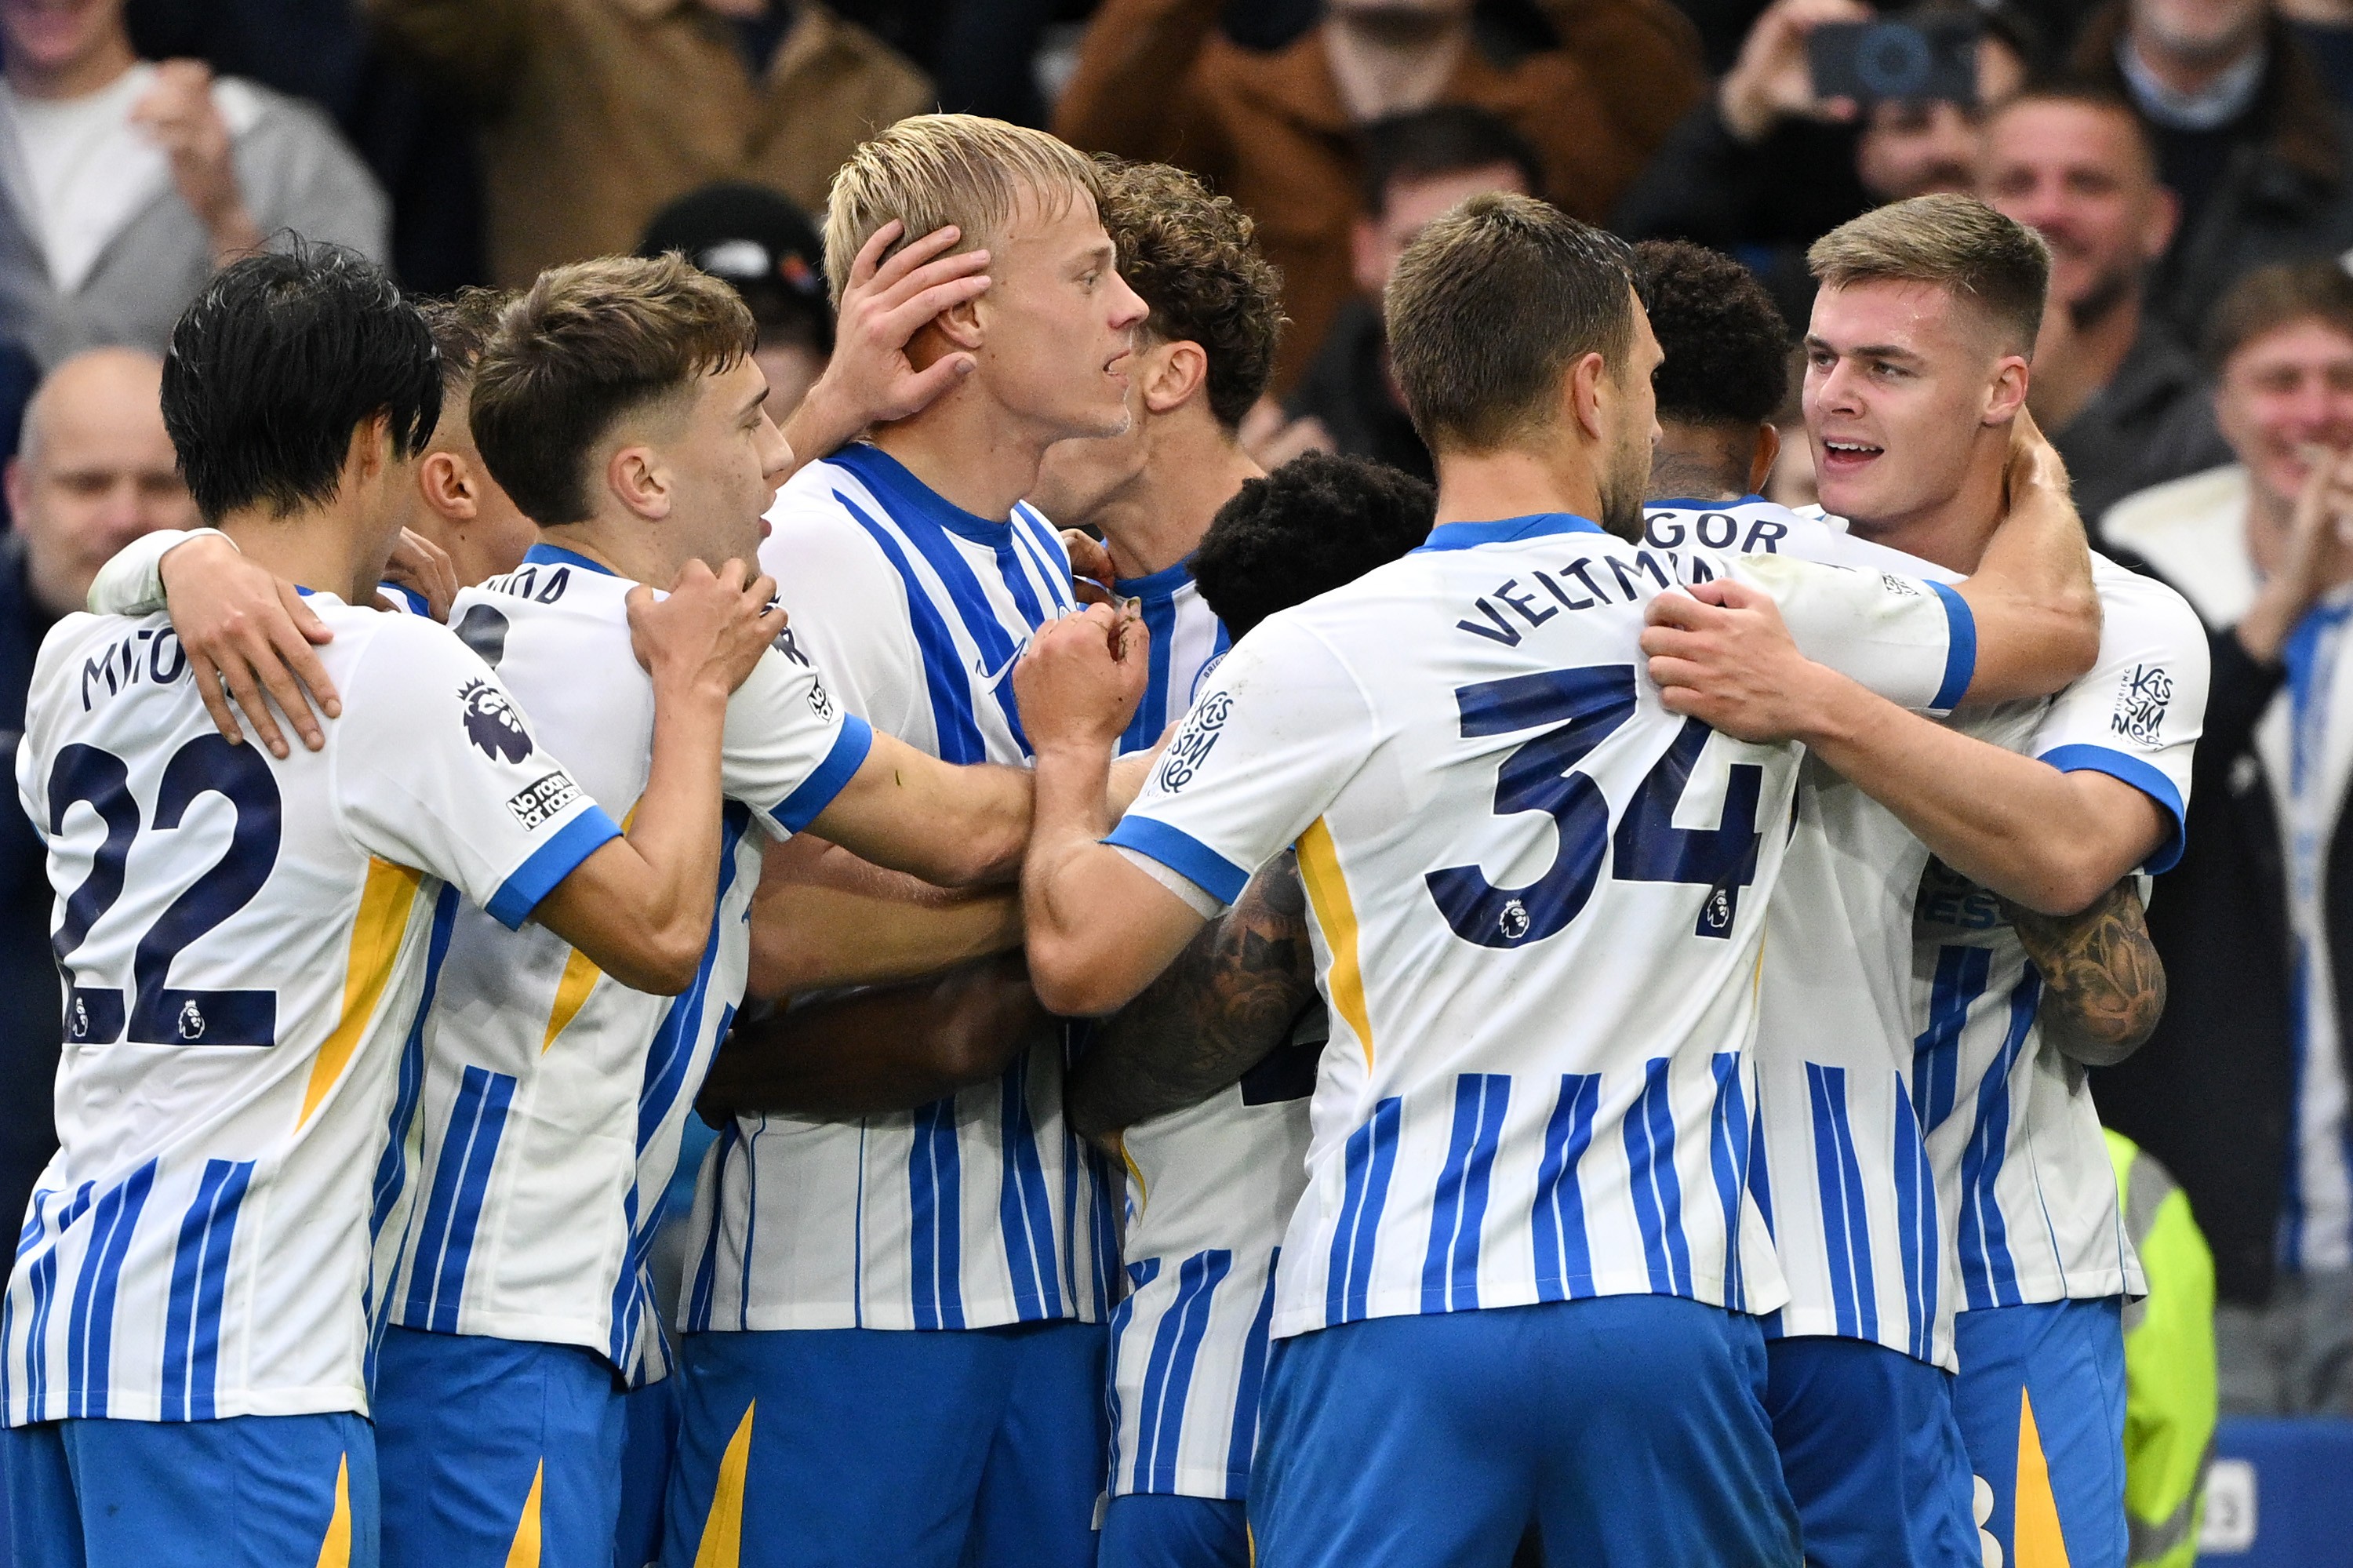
[[903, 492], [546, 555], [1160, 584], [1471, 535]]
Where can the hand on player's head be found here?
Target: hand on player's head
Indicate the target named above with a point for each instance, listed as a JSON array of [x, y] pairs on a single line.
[[709, 629], [1720, 652], [246, 630], [886, 303], [1083, 677]]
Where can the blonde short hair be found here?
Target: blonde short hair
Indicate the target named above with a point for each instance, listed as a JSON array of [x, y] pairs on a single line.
[[1955, 242], [931, 170]]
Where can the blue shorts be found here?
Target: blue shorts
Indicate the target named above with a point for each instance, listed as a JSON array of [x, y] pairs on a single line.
[[921, 1448], [1873, 1455], [652, 1423], [2041, 1402], [496, 1450], [1627, 1430], [246, 1491], [1161, 1530]]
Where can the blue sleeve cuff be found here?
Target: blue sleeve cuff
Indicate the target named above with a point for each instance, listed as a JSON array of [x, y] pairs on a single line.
[[2142, 777], [800, 808], [1960, 648], [1183, 854], [549, 864]]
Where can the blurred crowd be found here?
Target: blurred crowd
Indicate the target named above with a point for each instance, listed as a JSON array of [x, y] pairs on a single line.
[[2189, 161]]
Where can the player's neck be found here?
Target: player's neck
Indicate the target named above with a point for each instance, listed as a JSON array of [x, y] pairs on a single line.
[[1483, 487], [631, 550], [469, 557], [1951, 533], [970, 450], [331, 548], [1158, 519]]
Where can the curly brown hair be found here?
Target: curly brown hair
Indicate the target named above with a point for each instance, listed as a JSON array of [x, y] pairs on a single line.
[[1194, 258]]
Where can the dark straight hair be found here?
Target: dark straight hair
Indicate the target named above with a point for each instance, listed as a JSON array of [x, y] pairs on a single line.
[[277, 361]]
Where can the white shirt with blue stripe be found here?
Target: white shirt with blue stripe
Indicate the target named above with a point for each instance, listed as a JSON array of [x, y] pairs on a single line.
[[981, 1209], [542, 1102], [1537, 900], [2012, 1128], [1209, 1189], [246, 940], [1844, 1182]]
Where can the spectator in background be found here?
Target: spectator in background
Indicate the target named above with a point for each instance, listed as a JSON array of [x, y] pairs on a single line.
[[1278, 132], [95, 469], [2324, 28], [2247, 138], [129, 182], [2242, 1090], [2075, 165], [1416, 166], [766, 248], [1764, 169], [596, 112], [18, 376]]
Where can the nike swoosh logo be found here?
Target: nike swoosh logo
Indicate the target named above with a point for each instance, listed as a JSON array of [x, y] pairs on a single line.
[[995, 678]]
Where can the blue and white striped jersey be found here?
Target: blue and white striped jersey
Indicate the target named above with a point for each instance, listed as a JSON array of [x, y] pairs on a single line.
[[1209, 1190], [981, 1209], [2012, 1130], [542, 1103], [1187, 641], [1537, 898], [245, 941], [1844, 1180]]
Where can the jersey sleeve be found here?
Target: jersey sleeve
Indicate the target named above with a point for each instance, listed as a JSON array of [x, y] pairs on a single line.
[[1260, 756], [131, 583], [1911, 640], [846, 605], [2137, 716], [435, 767], [790, 747]]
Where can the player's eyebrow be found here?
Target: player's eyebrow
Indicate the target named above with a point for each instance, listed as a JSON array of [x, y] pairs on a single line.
[[1861, 350], [744, 411]]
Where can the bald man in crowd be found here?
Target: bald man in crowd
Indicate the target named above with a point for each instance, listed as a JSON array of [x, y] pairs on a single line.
[[93, 471]]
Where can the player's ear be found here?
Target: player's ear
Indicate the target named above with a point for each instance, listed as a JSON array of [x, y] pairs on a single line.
[[1584, 387], [1174, 371], [447, 483], [1762, 456], [959, 325], [639, 480], [1364, 256], [2006, 393]]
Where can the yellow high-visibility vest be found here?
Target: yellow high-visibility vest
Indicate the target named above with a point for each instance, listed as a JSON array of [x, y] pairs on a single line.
[[2169, 1388]]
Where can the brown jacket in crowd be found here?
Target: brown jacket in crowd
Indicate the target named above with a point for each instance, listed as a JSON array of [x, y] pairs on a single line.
[[596, 112], [1156, 79]]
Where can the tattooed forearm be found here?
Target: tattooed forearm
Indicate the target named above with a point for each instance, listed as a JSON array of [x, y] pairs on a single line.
[[2103, 984], [1230, 998]]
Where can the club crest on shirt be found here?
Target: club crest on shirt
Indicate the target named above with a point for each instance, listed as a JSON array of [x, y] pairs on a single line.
[[491, 723], [1201, 677], [1191, 747], [2141, 700]]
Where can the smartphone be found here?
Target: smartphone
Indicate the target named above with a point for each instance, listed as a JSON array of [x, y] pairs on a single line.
[[1870, 62]]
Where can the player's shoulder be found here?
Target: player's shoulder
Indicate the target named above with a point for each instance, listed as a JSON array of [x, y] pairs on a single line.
[[2141, 603]]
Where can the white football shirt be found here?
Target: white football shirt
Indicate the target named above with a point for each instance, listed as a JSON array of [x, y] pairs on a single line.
[[1209, 1189], [1843, 1178], [983, 1208], [2011, 1129], [245, 940], [1536, 899], [543, 1118]]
